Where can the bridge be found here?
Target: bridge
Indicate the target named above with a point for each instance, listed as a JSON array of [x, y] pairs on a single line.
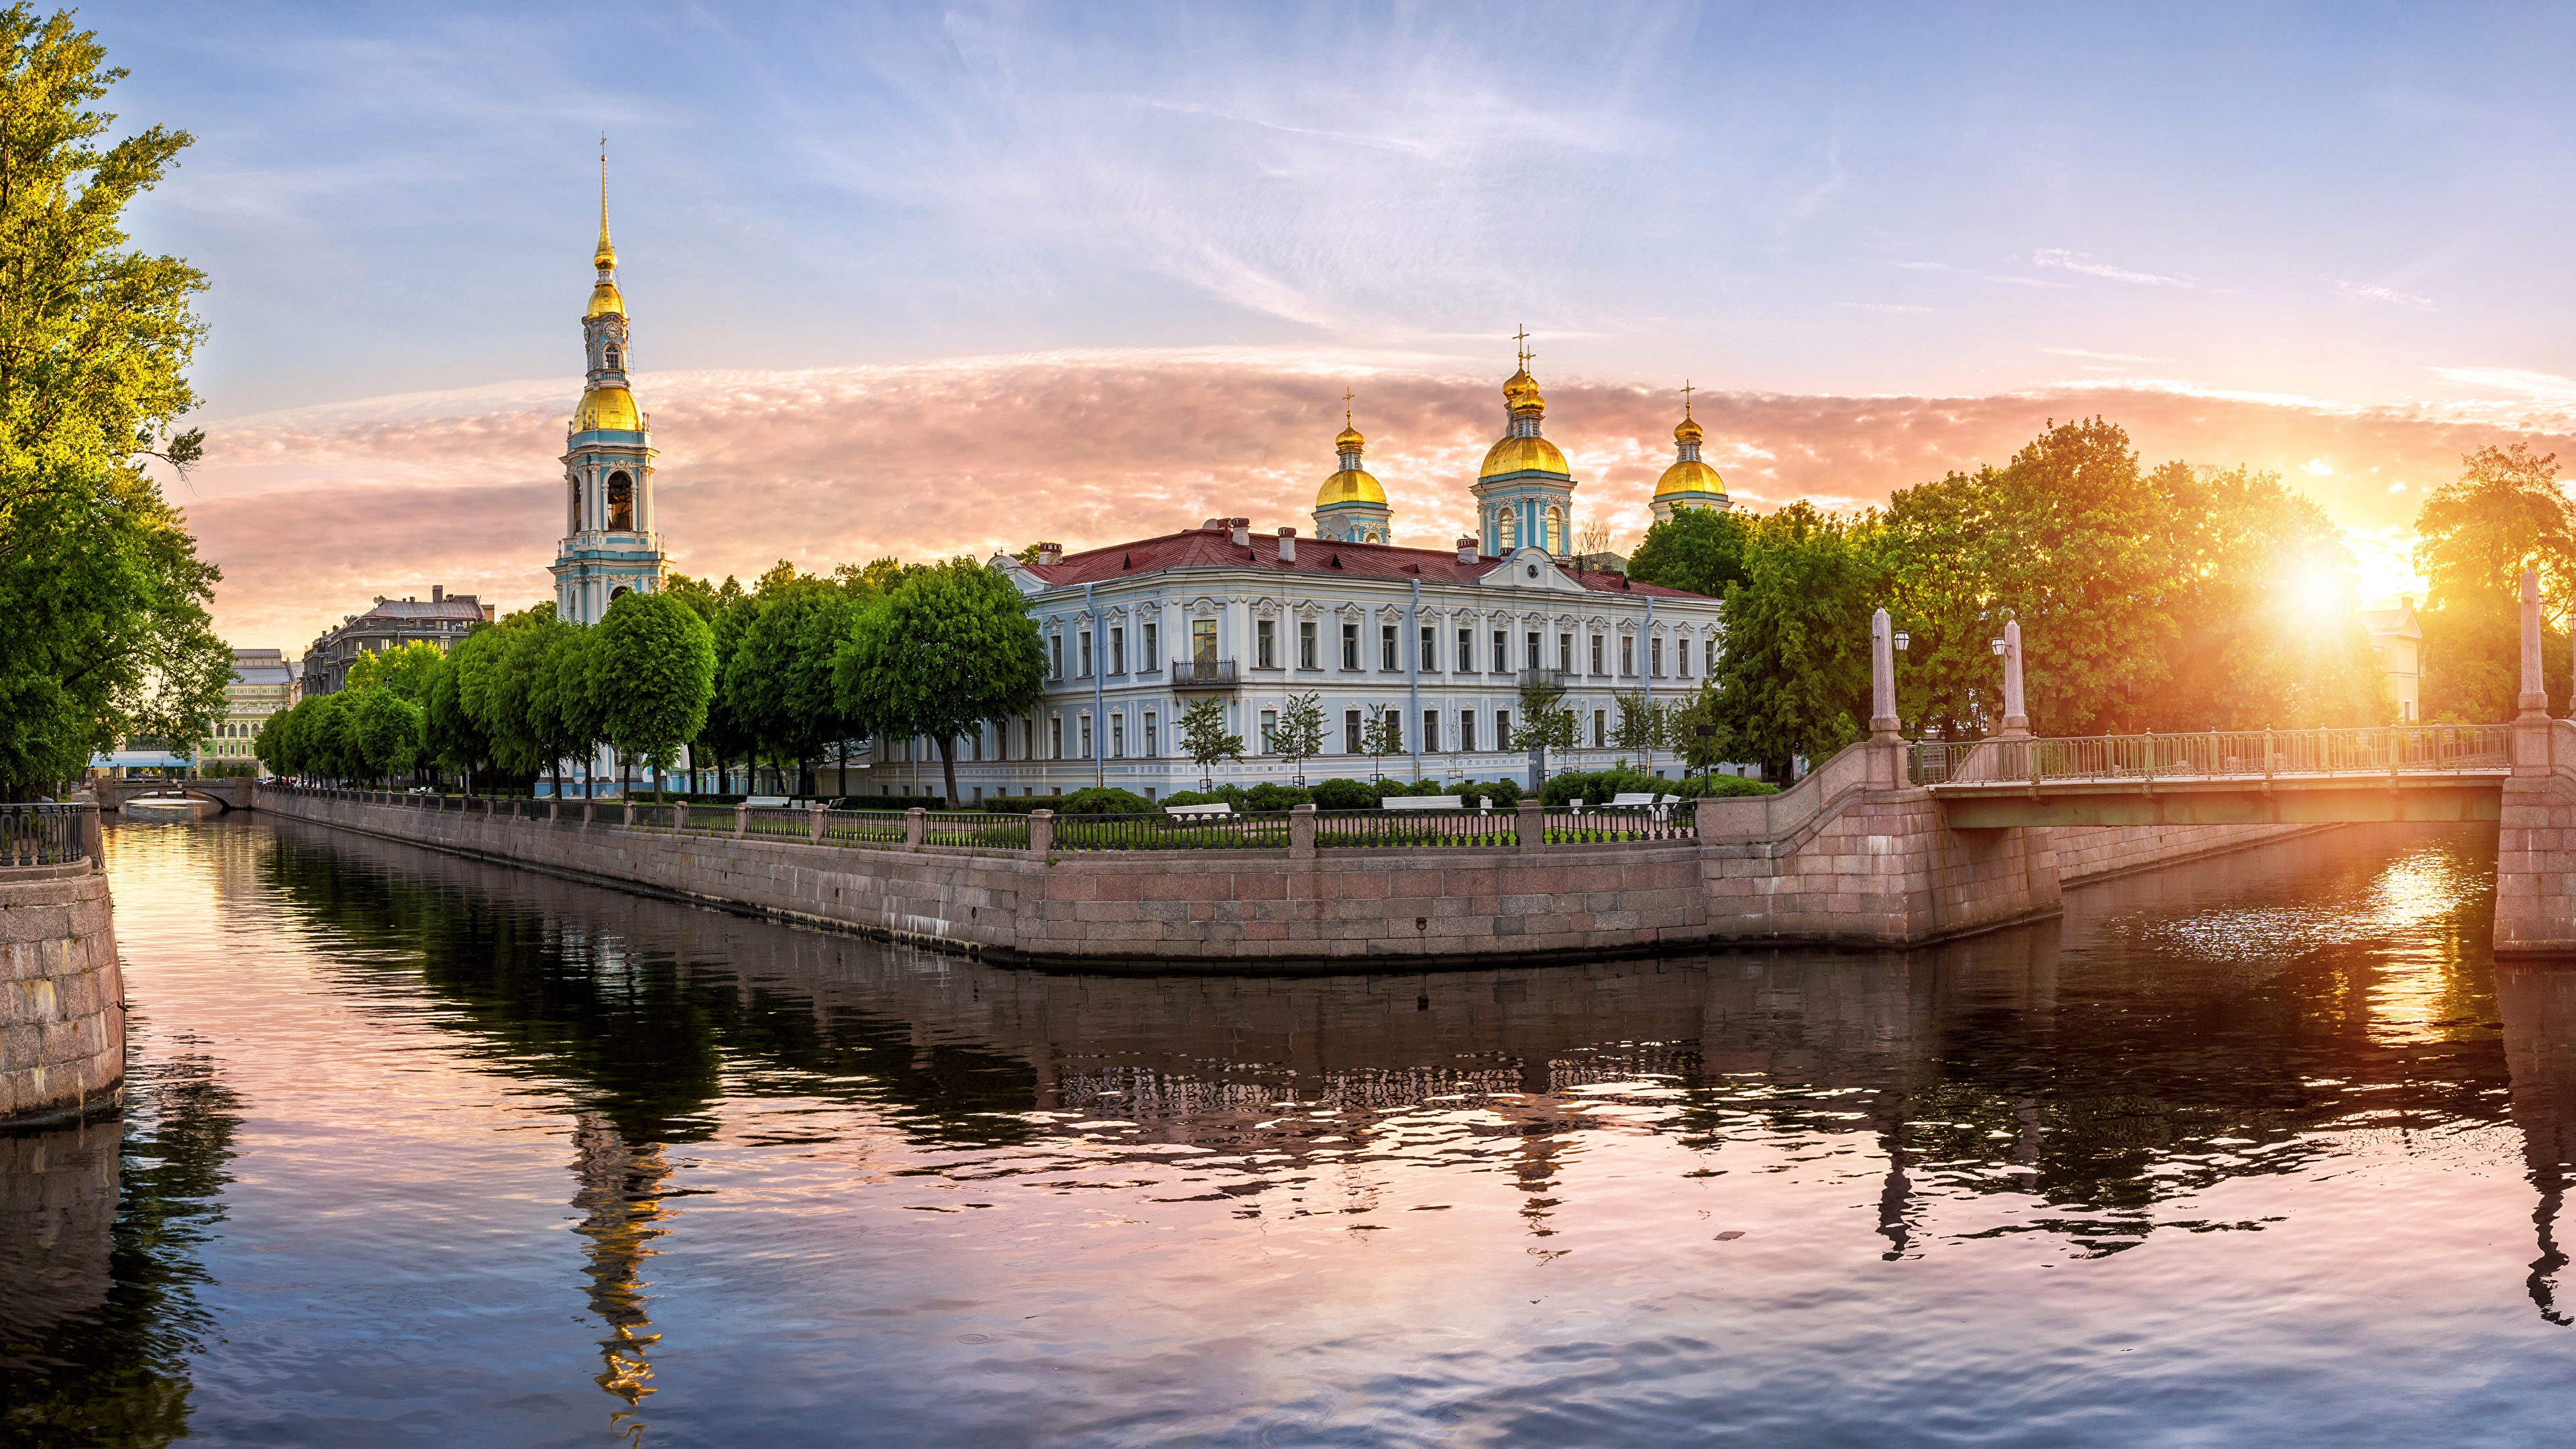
[[2426, 773], [233, 792]]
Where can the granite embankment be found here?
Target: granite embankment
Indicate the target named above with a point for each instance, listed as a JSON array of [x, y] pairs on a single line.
[[1847, 858]]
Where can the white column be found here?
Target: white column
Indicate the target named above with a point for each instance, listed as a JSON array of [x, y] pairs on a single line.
[[2016, 718], [1883, 722], [2534, 703]]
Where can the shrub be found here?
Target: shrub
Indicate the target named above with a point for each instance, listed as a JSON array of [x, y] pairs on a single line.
[[1267, 797], [1098, 800], [1596, 786], [859, 802], [1345, 795], [1722, 786]]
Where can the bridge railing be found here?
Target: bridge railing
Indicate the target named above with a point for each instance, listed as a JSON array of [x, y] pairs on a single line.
[[42, 834], [2214, 755]]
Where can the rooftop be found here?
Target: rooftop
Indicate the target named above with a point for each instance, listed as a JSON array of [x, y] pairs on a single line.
[[1216, 548]]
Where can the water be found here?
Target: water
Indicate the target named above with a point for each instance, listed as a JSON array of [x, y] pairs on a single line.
[[2259, 1151]]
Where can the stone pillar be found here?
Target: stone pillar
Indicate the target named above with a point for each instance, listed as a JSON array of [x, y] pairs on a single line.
[[62, 996], [1531, 825], [916, 827], [2016, 716], [815, 832], [2534, 700], [1883, 723], [1041, 833], [741, 821], [1301, 831], [630, 815]]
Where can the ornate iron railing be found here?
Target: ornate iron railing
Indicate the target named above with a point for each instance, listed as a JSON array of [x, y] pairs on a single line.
[[42, 834], [1421, 829], [2215, 755]]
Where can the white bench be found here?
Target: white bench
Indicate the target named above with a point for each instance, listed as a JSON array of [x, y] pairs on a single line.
[[1196, 811], [767, 802], [1423, 802], [1648, 798]]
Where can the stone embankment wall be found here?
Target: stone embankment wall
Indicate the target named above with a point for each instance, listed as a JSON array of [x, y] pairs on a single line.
[[2100, 852], [62, 1018], [1847, 858]]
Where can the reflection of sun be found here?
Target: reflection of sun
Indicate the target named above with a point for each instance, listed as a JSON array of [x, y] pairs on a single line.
[[2417, 988]]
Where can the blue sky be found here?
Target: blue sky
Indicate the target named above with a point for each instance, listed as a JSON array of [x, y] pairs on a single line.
[[2362, 203]]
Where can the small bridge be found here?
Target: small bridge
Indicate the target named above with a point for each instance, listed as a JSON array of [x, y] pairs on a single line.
[[2427, 773], [233, 792]]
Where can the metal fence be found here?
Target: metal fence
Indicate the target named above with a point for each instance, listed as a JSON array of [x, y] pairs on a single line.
[[863, 827], [1607, 823], [41, 834], [2216, 754], [1261, 831], [1435, 829], [967, 828]]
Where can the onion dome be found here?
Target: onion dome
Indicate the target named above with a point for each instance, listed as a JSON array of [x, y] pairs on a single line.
[[1688, 475], [605, 301], [1532, 454], [607, 408], [1349, 439], [1349, 486]]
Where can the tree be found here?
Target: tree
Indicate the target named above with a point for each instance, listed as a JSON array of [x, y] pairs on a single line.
[[2503, 513], [1205, 740], [1793, 679], [950, 648], [1544, 723], [652, 663], [1300, 735], [776, 684], [1695, 732], [406, 669], [1382, 736], [105, 598], [496, 674], [1699, 550], [385, 730], [449, 735], [1642, 727], [730, 612]]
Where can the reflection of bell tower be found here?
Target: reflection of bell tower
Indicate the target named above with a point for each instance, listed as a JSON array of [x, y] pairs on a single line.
[[621, 1201], [609, 546]]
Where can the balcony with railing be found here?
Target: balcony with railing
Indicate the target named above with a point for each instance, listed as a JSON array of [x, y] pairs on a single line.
[[1204, 675]]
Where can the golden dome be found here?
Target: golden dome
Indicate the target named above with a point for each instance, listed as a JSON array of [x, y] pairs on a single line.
[[610, 408], [1522, 455], [1692, 476], [1349, 440], [1521, 392], [1350, 486], [1688, 432], [605, 301]]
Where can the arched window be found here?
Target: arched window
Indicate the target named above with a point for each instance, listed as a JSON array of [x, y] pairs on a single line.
[[612, 359], [615, 594], [575, 486], [1509, 531], [1556, 530], [621, 501]]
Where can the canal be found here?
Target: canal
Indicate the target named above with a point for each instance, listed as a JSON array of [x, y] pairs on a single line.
[[2263, 1150]]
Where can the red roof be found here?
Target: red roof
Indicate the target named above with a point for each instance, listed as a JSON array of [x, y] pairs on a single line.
[[1216, 548]]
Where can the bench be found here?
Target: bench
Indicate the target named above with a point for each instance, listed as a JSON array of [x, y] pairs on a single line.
[[1648, 798], [1192, 812], [1423, 802], [767, 802]]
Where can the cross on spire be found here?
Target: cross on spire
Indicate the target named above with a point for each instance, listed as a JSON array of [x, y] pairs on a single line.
[[1346, 407], [1521, 339], [1687, 390]]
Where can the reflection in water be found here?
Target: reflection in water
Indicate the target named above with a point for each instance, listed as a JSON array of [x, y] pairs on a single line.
[[621, 1199], [1601, 1203], [2540, 1041]]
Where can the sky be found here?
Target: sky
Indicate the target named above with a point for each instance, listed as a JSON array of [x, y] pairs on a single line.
[[921, 280]]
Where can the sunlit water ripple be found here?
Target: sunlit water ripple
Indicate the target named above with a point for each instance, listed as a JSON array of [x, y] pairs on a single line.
[[2258, 1151]]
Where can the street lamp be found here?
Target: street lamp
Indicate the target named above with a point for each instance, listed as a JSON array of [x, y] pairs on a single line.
[[1901, 638], [1998, 647]]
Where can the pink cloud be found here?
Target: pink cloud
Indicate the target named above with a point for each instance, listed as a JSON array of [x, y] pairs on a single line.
[[313, 515]]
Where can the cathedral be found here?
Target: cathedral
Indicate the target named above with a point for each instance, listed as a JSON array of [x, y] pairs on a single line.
[[609, 544]]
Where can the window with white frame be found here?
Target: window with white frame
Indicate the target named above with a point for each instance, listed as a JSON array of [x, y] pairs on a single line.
[[1351, 646], [1386, 661], [1086, 655], [1118, 649], [1655, 656], [1431, 730], [1265, 643], [1153, 746], [1627, 656], [1153, 659], [1429, 645], [1306, 645], [1596, 654], [1118, 737], [1465, 663], [1270, 732]]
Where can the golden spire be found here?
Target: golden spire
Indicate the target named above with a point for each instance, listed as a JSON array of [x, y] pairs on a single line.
[[1350, 439], [1687, 390], [605, 256]]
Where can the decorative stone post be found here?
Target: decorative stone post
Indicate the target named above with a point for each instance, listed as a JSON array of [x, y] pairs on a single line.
[[1301, 831], [629, 822], [1886, 737], [2016, 717], [1041, 833], [916, 827], [1531, 823], [2534, 700], [741, 821], [816, 832]]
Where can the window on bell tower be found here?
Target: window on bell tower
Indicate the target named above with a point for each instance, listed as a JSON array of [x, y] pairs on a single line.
[[612, 359]]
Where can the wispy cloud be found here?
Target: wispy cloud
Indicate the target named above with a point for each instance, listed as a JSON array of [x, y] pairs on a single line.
[[2089, 352], [2547, 386], [2364, 292], [2083, 262]]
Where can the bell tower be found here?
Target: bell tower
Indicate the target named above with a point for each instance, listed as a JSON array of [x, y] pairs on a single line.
[[610, 545]]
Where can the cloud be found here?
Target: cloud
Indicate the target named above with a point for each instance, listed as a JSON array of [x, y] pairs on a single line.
[[2083, 262], [2547, 386], [311, 514], [2088, 352], [2363, 292]]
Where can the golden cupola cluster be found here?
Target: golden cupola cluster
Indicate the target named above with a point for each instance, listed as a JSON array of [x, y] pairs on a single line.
[[1521, 449]]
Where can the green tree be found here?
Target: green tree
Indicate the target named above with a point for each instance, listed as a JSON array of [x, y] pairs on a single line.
[[1544, 722], [449, 734], [950, 648], [104, 596], [730, 612], [1205, 740], [1700, 550], [776, 685], [565, 699], [1644, 726], [1793, 679], [1382, 736], [1300, 735], [384, 729], [406, 669], [2503, 513], [653, 666]]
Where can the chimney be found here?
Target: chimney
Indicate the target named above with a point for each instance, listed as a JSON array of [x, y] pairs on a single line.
[[1050, 553], [487, 613], [1466, 550], [437, 593], [1287, 545], [1242, 528]]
